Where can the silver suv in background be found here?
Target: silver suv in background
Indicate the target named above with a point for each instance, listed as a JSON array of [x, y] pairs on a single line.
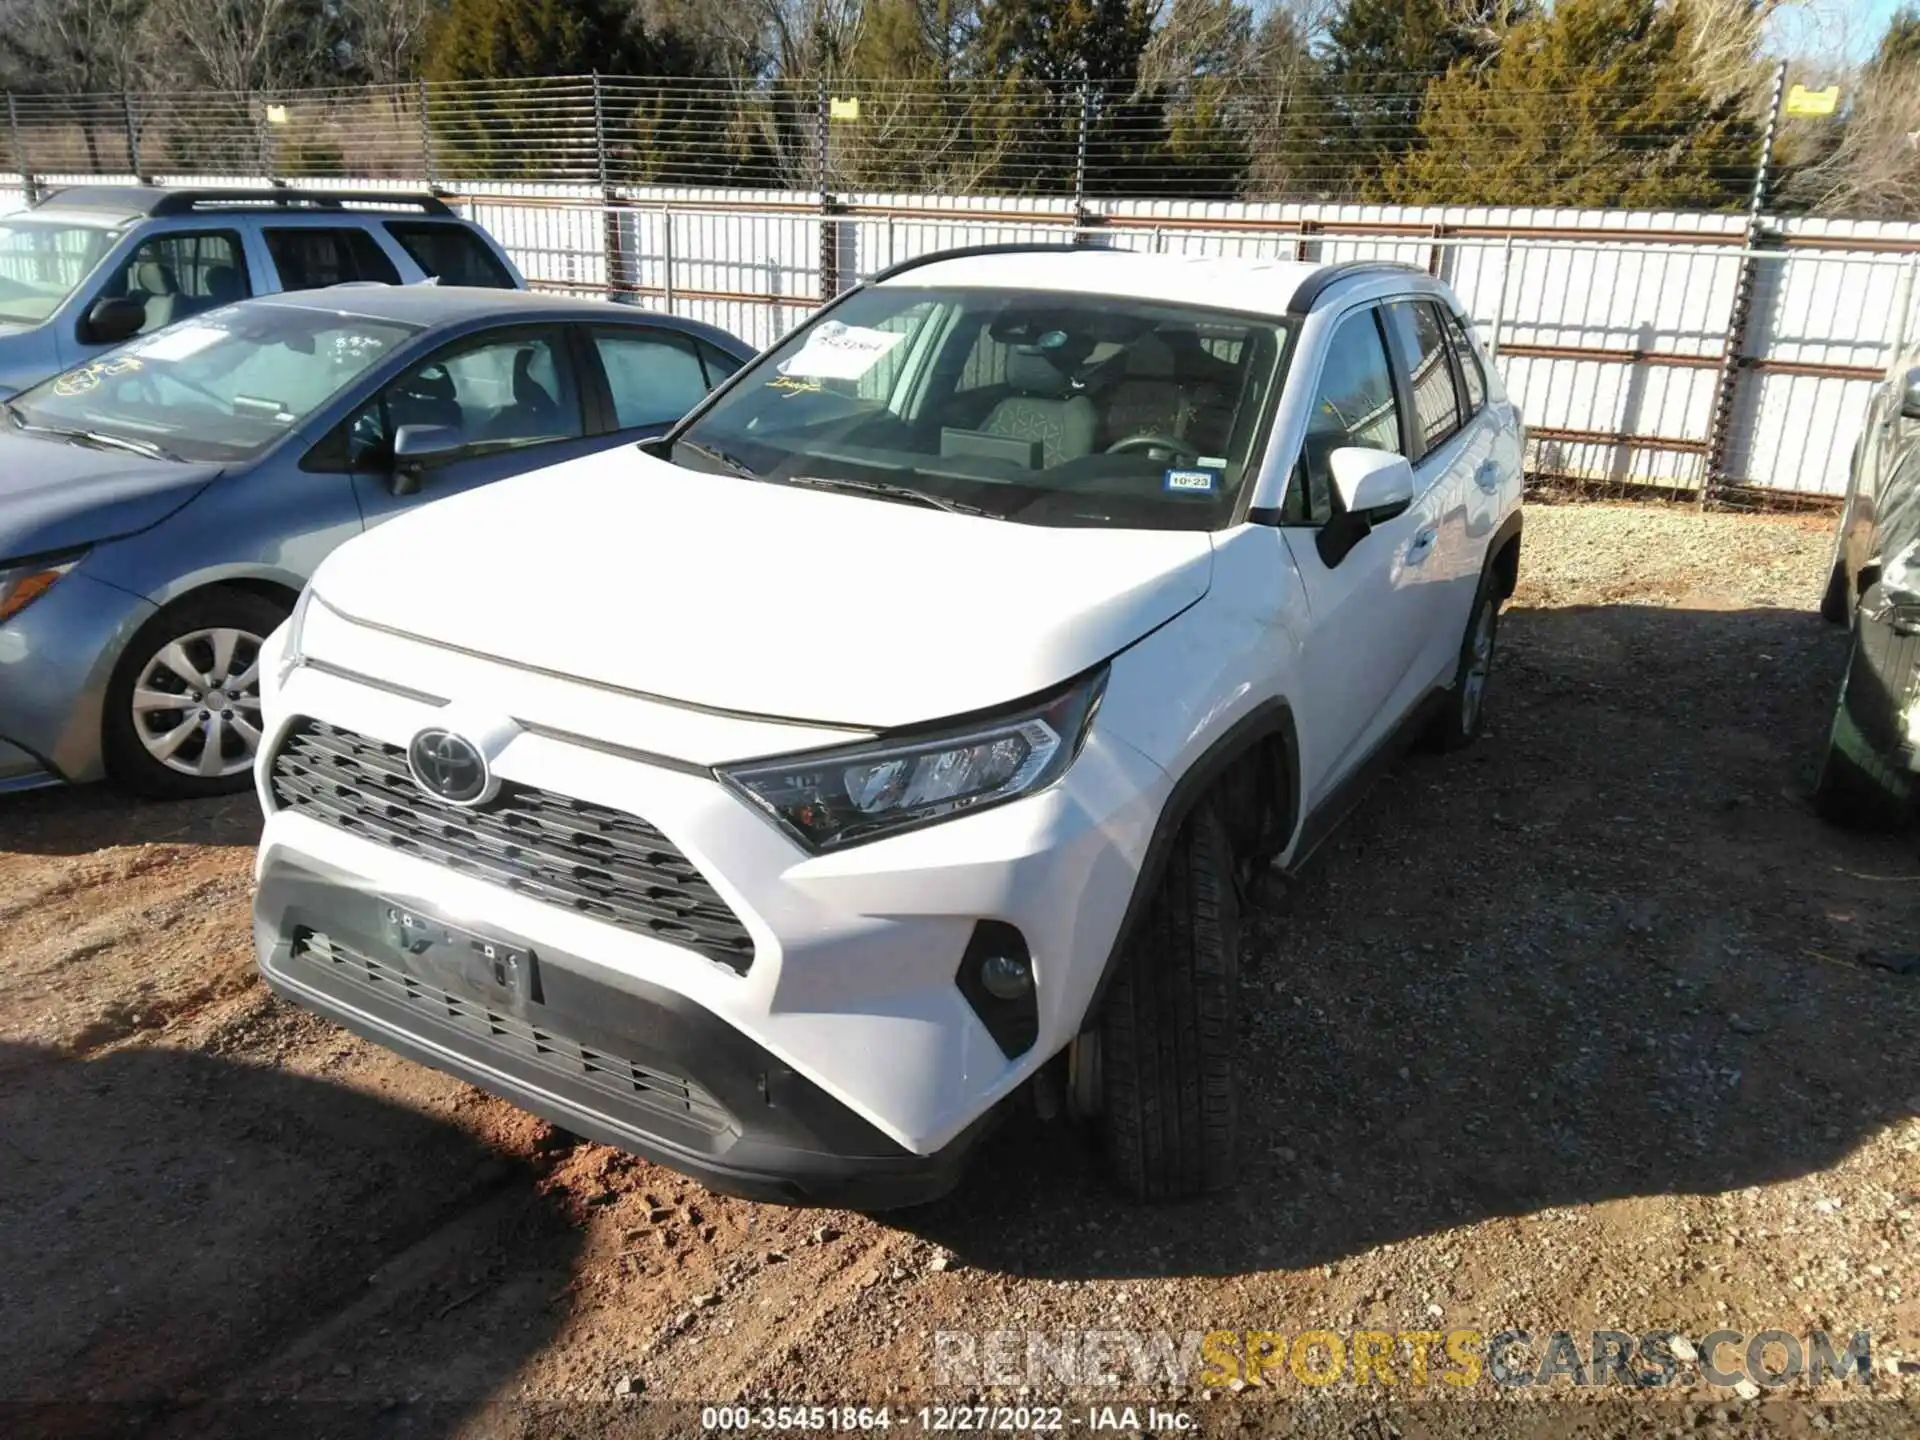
[[92, 266]]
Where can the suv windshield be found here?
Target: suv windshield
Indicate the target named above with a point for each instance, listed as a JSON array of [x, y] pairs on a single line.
[[1044, 407], [41, 261], [221, 386]]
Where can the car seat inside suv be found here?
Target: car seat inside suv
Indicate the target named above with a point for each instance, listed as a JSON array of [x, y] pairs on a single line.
[[1044, 405]]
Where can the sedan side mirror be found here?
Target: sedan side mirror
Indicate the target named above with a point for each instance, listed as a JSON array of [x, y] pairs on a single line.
[[113, 319], [1910, 397], [415, 447], [1373, 485]]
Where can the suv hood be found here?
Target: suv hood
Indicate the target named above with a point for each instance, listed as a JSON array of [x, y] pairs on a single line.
[[59, 496], [761, 598]]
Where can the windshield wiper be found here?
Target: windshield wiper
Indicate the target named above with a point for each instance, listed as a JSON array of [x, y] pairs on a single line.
[[887, 490], [101, 439], [733, 463]]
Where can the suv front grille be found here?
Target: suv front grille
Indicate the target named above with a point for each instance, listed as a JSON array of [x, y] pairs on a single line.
[[571, 853], [623, 1079]]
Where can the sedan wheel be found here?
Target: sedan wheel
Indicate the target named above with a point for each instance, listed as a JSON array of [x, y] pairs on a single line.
[[183, 708], [196, 706]]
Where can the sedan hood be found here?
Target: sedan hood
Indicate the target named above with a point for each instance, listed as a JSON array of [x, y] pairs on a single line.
[[59, 496], [759, 598]]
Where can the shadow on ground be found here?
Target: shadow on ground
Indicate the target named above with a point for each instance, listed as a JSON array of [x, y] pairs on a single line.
[[1609, 952], [189, 1244]]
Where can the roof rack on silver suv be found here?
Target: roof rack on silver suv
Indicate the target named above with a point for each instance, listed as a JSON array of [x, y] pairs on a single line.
[[159, 200]]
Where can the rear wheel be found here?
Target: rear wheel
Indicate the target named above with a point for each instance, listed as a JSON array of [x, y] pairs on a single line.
[[183, 707], [1460, 721], [1165, 1043]]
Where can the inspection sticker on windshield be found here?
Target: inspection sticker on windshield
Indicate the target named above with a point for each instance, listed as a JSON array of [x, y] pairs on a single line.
[[1195, 482], [840, 352], [180, 342]]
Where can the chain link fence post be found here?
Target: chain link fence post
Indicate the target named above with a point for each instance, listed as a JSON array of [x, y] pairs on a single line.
[[29, 189], [612, 238], [133, 139], [1080, 153], [1733, 353], [829, 232], [426, 139]]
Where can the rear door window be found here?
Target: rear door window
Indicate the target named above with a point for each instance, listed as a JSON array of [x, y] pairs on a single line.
[[1428, 368], [311, 257], [1470, 373], [452, 254], [655, 375]]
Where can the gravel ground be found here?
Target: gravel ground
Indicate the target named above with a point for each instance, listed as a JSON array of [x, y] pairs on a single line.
[[1582, 1030]]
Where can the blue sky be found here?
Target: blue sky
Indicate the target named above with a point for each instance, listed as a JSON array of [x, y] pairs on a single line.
[[1849, 29]]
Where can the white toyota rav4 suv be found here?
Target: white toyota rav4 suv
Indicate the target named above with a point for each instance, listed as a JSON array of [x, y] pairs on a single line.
[[779, 800]]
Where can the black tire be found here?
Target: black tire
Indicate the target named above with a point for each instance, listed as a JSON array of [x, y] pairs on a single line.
[[1464, 715], [1857, 789], [1169, 1108], [130, 763]]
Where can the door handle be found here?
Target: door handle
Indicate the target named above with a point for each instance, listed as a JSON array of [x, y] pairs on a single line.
[[1422, 544]]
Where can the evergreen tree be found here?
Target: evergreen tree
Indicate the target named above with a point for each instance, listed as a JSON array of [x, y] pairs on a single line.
[[1379, 58], [1598, 103]]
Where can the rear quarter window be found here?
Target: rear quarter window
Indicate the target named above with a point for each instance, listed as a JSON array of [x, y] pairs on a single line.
[[452, 254]]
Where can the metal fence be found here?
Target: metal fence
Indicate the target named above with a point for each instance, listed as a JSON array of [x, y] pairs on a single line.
[[1252, 135], [1723, 355]]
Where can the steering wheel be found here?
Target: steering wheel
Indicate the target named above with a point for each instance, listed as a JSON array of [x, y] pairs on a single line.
[[1153, 440]]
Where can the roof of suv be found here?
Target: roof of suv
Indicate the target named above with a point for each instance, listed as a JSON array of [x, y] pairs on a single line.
[[433, 305], [131, 202], [1226, 282]]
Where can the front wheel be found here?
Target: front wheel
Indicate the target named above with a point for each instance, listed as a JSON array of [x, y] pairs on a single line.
[[1857, 788], [183, 707], [1167, 1099]]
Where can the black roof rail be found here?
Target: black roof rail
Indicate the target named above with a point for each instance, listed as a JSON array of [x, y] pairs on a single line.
[[157, 200], [1317, 284], [964, 252]]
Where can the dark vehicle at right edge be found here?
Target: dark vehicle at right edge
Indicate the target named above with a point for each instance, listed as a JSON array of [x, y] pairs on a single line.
[[1867, 774]]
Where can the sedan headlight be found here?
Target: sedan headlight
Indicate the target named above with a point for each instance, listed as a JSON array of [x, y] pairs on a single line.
[[26, 581], [827, 799]]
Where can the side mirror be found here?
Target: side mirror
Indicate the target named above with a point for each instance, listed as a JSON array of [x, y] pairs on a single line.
[[1910, 397], [1373, 483], [113, 319], [415, 447]]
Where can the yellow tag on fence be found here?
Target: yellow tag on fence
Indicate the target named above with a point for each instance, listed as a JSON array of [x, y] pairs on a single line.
[[1802, 101], [844, 108]]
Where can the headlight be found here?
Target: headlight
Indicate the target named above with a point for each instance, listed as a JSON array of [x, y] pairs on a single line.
[[827, 799], [23, 583]]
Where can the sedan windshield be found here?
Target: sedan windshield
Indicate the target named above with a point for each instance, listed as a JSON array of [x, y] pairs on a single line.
[[221, 386], [1043, 407], [41, 261]]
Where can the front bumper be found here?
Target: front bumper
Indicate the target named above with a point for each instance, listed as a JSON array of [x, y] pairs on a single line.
[[55, 658], [628, 1064], [851, 991]]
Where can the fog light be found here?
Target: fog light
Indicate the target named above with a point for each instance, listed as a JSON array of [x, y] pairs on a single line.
[[996, 977], [1006, 978]]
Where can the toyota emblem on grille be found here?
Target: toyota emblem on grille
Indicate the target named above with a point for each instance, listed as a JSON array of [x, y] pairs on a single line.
[[449, 767]]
